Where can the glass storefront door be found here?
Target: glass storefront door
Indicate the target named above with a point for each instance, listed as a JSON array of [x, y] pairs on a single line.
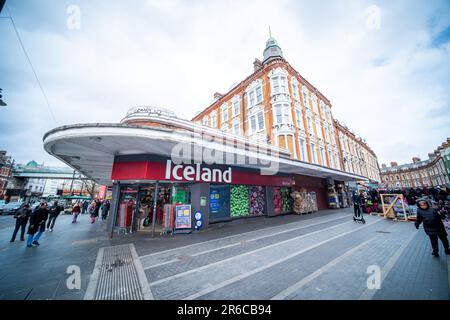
[[219, 203], [137, 203]]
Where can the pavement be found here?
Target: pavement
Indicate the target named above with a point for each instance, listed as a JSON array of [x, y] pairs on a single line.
[[324, 256]]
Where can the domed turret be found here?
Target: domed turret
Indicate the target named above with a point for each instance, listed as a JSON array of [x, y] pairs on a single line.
[[272, 50]]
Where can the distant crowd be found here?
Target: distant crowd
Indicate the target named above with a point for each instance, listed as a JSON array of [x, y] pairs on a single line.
[[43, 217]]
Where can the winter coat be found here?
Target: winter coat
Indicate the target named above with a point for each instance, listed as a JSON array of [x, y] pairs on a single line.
[[22, 214], [37, 220], [105, 208], [432, 220], [358, 200], [54, 211], [76, 209], [92, 210]]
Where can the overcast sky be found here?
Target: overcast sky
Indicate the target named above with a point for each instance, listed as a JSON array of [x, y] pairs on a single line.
[[384, 65]]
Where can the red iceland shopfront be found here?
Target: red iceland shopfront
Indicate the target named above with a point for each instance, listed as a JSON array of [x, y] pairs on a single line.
[[148, 188]]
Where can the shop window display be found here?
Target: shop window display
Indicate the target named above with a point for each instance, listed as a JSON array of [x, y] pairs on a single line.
[[286, 205], [219, 203], [304, 202], [257, 200], [277, 200], [239, 201]]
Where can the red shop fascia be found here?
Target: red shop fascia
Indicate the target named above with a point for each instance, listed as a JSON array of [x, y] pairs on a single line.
[[165, 170]]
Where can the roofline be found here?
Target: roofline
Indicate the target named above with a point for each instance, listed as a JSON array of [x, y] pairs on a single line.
[[265, 66]]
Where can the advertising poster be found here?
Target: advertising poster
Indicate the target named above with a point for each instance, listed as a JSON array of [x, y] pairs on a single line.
[[214, 201], [183, 218]]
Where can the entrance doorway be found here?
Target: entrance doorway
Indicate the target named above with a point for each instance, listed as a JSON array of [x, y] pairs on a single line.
[[137, 204]]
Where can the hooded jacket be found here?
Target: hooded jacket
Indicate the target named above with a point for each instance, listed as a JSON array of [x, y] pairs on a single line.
[[432, 220]]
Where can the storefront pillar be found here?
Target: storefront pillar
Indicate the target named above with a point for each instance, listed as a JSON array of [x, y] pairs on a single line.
[[155, 200], [200, 201], [269, 202], [112, 217]]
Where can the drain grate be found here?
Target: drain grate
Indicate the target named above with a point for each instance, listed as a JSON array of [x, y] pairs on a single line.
[[118, 275]]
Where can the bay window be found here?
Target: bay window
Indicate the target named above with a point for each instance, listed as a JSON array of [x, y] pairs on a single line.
[[224, 113], [259, 97], [298, 118], [236, 106], [279, 84], [302, 150], [282, 113], [313, 153]]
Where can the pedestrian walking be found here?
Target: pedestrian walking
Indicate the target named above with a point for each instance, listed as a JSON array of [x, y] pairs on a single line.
[[105, 209], [54, 212], [92, 211], [357, 200], [76, 210], [22, 215], [85, 207], [432, 224], [37, 224]]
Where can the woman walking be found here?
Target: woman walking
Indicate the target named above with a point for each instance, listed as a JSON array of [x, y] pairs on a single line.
[[22, 215], [92, 211], [433, 225]]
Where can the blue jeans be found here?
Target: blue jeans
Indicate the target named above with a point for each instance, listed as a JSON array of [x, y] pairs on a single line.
[[32, 237]]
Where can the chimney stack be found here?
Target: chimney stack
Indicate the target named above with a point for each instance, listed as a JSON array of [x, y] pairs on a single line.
[[394, 164], [416, 159], [257, 65]]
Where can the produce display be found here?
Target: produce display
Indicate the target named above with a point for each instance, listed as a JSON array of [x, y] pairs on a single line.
[[285, 199], [239, 201], [257, 200], [277, 200]]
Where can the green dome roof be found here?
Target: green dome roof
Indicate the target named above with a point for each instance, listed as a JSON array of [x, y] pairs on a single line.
[[32, 163]]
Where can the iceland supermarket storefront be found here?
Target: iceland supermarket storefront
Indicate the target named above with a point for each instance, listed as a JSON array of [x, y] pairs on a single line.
[[153, 190]]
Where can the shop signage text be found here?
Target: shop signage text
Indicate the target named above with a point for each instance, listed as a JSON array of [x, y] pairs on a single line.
[[197, 172]]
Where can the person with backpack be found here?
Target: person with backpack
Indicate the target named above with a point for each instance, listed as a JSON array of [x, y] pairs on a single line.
[[22, 215]]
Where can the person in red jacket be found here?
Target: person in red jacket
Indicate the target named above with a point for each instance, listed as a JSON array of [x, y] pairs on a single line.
[[76, 210]]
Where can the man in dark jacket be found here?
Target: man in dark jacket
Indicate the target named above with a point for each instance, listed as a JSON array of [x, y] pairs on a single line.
[[433, 225], [85, 207], [54, 212], [357, 200], [21, 217], [37, 224], [105, 209]]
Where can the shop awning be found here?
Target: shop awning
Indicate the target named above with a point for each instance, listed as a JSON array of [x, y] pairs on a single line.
[[91, 148]]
